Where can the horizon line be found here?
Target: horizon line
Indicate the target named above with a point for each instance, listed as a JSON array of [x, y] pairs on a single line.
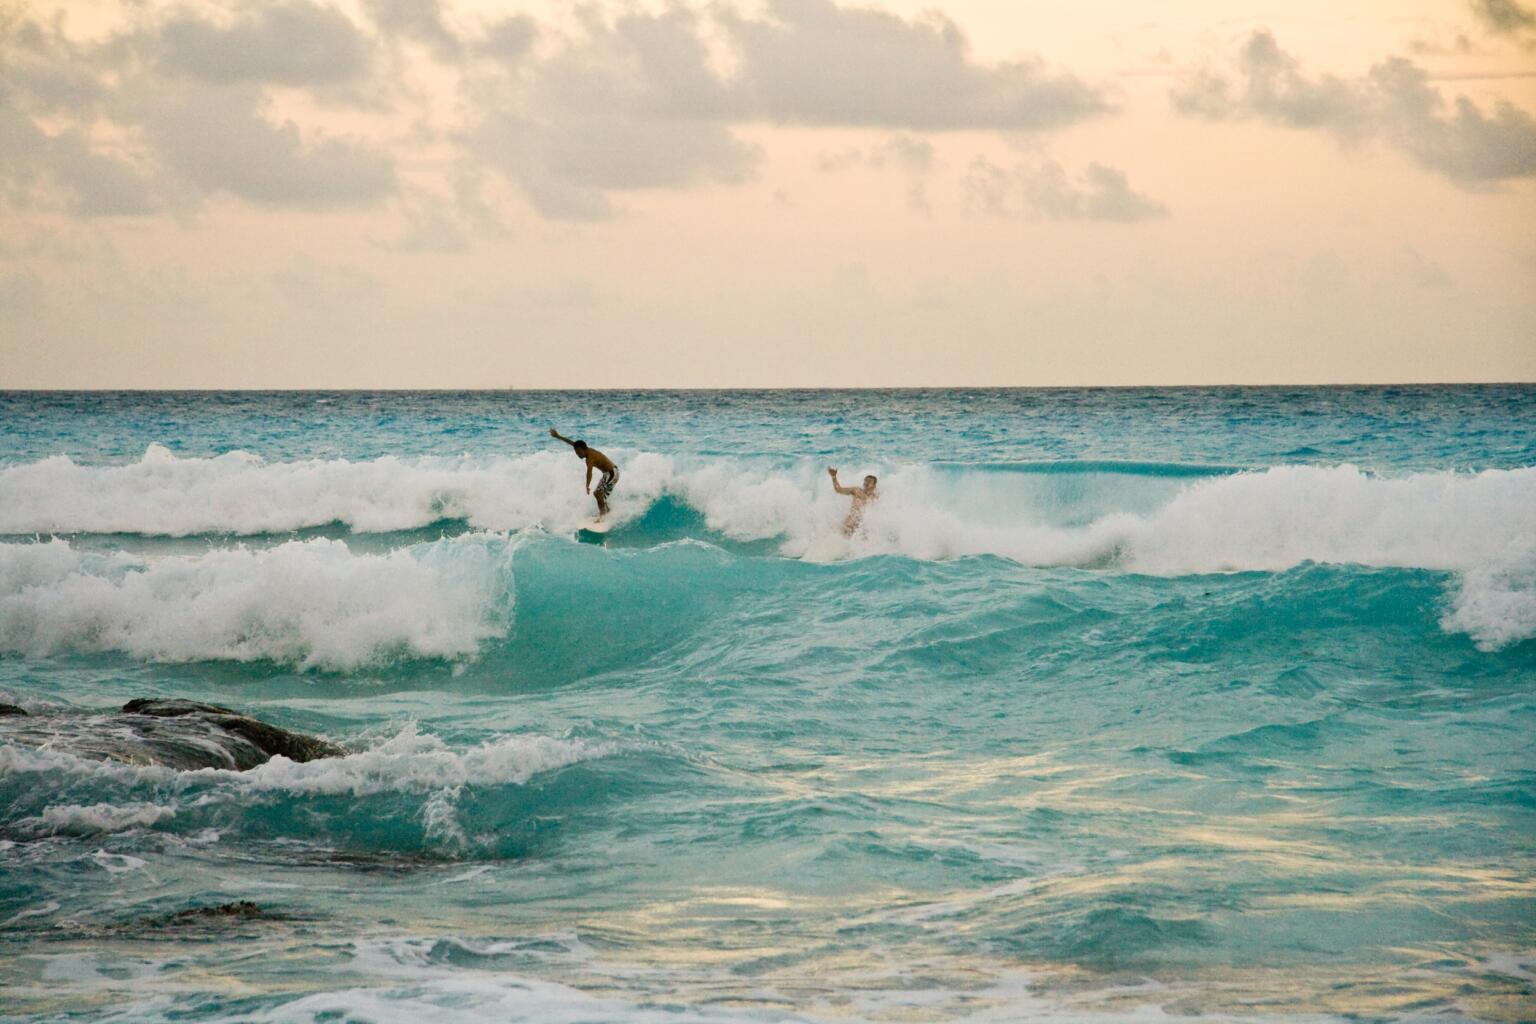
[[513, 389]]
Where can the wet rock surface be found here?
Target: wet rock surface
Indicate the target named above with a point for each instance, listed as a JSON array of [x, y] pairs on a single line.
[[270, 739], [181, 734]]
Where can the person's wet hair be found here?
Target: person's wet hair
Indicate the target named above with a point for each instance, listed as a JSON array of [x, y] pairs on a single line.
[[580, 446]]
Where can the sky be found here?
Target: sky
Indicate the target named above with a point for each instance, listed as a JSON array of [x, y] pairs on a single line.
[[765, 193]]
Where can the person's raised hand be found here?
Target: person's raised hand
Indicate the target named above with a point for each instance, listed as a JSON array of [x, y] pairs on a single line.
[[553, 432]]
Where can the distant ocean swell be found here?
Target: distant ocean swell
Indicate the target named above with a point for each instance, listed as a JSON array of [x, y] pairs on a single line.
[[318, 602]]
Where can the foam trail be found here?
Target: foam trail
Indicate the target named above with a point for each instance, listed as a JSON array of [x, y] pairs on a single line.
[[309, 604]]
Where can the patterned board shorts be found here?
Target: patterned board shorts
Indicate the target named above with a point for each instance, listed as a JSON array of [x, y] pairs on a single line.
[[605, 485]]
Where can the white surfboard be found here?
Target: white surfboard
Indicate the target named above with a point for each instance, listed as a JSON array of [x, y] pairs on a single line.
[[596, 526]]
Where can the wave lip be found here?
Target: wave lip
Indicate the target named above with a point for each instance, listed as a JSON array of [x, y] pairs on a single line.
[[307, 604]]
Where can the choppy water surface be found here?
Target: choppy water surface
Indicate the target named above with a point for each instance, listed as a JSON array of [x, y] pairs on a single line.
[[1198, 701]]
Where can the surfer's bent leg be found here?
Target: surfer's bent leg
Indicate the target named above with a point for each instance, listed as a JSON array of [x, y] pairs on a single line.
[[605, 488]]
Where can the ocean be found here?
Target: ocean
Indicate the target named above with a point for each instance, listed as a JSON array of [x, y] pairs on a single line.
[[1121, 704]]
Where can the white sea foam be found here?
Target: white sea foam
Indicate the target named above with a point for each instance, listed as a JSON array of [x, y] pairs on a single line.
[[240, 493], [414, 762], [409, 762], [1481, 526], [1496, 603], [1475, 524], [73, 819], [305, 603]]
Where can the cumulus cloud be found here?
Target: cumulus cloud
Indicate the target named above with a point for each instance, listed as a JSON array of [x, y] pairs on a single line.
[[37, 167], [508, 39], [631, 104], [1505, 17], [419, 20], [220, 141], [191, 101], [288, 42], [813, 62], [176, 108], [638, 101], [1046, 192], [1393, 103]]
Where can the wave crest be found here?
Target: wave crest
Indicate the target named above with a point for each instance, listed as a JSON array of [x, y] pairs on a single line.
[[308, 604], [1478, 525]]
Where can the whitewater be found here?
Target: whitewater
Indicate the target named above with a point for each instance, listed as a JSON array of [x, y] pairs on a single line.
[[1179, 701]]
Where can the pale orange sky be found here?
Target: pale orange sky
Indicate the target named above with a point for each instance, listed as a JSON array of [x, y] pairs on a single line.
[[396, 193]]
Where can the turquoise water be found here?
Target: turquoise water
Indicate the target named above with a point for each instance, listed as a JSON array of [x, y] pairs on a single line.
[[1122, 703]]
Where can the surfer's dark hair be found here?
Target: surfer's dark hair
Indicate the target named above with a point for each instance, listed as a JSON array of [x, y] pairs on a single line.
[[580, 446]]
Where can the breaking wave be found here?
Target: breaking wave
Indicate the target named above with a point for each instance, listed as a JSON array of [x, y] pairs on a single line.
[[309, 604], [317, 604]]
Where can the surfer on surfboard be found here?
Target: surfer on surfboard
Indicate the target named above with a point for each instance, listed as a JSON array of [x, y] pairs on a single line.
[[861, 496], [598, 461]]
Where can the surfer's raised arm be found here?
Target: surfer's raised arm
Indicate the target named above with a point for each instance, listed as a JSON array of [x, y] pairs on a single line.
[[839, 488], [561, 437]]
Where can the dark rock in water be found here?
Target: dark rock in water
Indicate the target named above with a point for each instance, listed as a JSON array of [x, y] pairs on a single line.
[[267, 738], [11, 709], [243, 910], [181, 734]]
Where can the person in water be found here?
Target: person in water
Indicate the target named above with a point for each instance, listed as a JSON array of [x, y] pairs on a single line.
[[861, 496], [598, 461]]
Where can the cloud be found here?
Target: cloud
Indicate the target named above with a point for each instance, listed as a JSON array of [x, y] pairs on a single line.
[[912, 154], [1504, 17], [813, 62], [631, 104], [191, 101], [287, 42], [169, 111], [1046, 192], [219, 141], [508, 39], [418, 20], [1393, 104], [63, 169], [635, 100]]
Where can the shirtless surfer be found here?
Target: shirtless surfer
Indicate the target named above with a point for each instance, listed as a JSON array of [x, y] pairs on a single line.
[[594, 460], [861, 496]]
